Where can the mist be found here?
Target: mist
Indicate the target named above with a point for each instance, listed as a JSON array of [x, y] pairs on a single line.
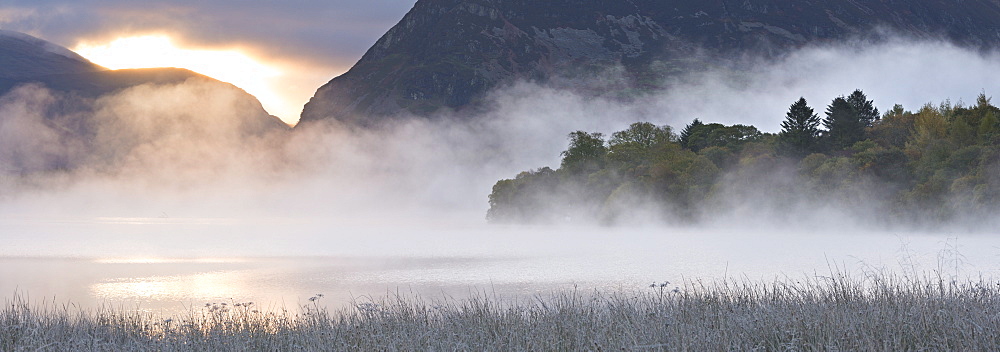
[[171, 196], [174, 173], [169, 155]]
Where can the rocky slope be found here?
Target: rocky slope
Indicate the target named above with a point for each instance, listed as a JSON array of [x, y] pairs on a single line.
[[449, 53]]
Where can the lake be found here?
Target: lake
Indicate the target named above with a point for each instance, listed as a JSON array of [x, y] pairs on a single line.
[[169, 265]]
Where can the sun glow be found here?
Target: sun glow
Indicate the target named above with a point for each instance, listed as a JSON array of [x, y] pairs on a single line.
[[232, 66], [201, 286]]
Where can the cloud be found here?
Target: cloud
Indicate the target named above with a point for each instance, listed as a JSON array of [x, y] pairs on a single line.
[[15, 14], [311, 42], [334, 33], [898, 71]]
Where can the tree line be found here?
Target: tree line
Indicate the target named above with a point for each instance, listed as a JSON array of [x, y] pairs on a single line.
[[937, 164]]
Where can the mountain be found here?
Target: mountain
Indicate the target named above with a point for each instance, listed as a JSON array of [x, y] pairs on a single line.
[[59, 111], [450, 53], [22, 55], [101, 83], [25, 59]]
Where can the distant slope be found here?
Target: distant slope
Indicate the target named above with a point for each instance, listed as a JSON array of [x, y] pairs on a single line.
[[100, 83], [25, 59], [94, 115], [97, 83], [22, 55], [449, 53]]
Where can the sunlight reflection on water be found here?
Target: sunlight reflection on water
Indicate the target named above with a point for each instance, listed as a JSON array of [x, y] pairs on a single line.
[[174, 264], [211, 286]]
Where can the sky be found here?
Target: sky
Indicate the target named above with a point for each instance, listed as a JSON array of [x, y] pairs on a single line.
[[291, 46]]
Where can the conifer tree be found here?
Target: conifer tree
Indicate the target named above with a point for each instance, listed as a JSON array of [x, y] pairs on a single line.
[[866, 110], [844, 126], [982, 101], [800, 130], [691, 128]]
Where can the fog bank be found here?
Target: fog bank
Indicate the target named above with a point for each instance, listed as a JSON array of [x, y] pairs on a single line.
[[152, 153]]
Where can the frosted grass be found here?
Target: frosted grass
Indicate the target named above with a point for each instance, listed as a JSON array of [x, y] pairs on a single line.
[[837, 312]]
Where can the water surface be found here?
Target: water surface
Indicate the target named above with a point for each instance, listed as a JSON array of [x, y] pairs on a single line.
[[170, 265]]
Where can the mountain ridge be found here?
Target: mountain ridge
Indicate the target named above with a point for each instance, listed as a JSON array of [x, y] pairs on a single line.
[[64, 112], [22, 55], [34, 60], [447, 54]]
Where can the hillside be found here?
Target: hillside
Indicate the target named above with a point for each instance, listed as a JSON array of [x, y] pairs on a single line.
[[22, 55], [59, 111], [446, 54]]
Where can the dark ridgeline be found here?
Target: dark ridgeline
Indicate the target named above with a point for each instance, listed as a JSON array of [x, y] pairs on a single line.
[[446, 54]]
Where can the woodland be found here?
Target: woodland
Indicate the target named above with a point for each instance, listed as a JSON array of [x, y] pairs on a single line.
[[937, 165]]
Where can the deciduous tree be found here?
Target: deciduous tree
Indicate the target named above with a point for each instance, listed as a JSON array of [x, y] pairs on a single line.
[[586, 153]]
